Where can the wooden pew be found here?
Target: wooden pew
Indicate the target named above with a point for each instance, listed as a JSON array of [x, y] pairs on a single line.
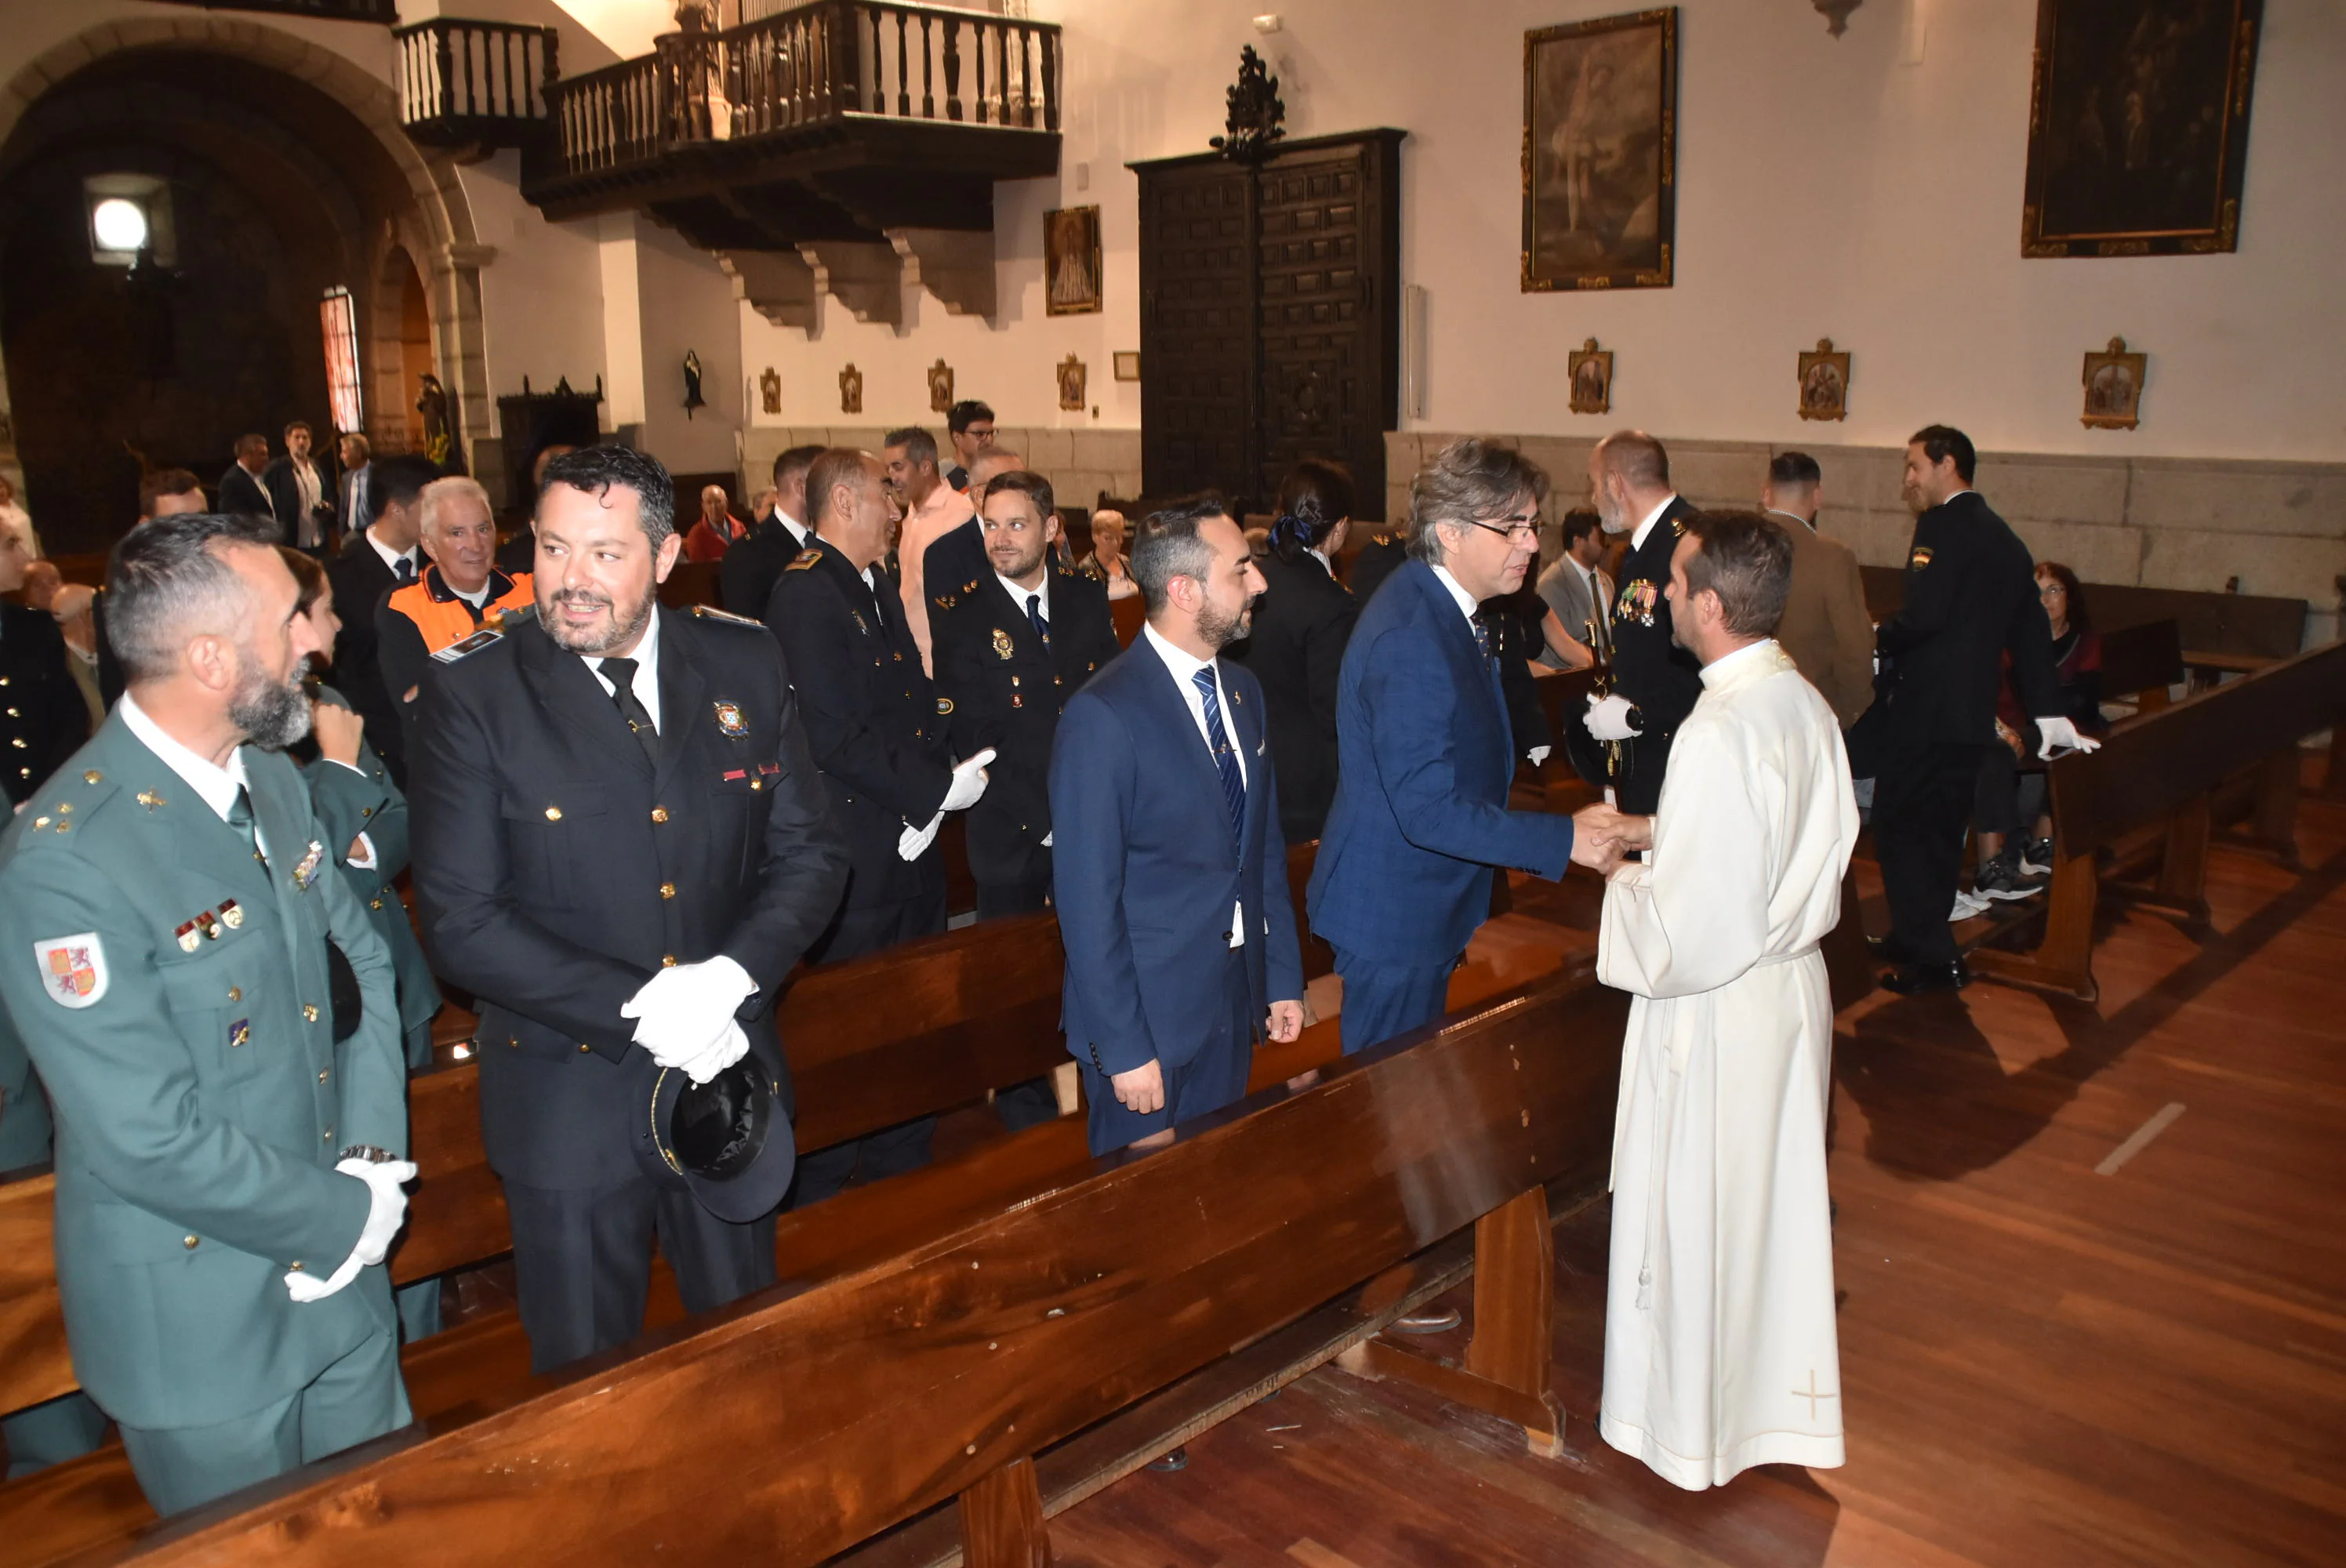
[[2151, 784], [796, 1424], [2250, 625]]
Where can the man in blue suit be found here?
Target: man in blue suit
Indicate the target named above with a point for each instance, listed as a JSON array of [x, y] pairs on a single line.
[[1167, 868], [1425, 753]]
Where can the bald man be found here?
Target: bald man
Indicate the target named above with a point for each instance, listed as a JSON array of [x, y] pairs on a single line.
[[718, 528]]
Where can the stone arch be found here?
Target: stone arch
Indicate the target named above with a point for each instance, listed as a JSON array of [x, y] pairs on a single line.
[[441, 242]]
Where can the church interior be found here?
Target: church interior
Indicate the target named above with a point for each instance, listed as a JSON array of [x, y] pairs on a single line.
[[2090, 1311]]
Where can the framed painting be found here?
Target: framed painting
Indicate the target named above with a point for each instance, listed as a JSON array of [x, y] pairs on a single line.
[[1824, 382], [1590, 370], [1073, 380], [1600, 152], [1071, 261], [2113, 388], [2138, 126]]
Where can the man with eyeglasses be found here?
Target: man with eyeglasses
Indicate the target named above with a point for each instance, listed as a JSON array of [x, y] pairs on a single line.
[[1425, 753]]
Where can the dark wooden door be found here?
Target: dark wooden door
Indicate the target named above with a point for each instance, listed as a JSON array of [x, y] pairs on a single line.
[[1271, 316]]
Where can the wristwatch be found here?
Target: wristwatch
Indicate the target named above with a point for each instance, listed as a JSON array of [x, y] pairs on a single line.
[[368, 1153]]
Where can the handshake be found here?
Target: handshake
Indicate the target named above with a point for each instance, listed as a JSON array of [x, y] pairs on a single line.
[[1601, 836]]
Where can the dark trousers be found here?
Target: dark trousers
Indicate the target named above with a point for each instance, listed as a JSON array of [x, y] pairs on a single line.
[[1034, 1101], [583, 1261], [892, 1151], [1382, 1000], [1923, 801], [1644, 760], [1216, 1076], [1996, 809], [39, 1436]]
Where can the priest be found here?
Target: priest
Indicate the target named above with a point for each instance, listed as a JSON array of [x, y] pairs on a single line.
[[1720, 1348]]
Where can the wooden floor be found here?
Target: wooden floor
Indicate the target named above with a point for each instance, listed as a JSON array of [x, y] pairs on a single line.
[[2061, 1343]]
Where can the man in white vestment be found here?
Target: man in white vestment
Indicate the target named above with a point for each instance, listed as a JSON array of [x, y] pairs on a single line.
[[1720, 1345]]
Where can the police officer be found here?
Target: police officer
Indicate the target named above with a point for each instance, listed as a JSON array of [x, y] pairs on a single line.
[[745, 577], [42, 714], [879, 735], [619, 849], [1971, 597], [228, 1176], [1655, 681]]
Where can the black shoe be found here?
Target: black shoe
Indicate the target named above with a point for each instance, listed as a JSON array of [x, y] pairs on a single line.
[[1166, 1464], [1915, 979], [1887, 948], [2002, 877], [2037, 861]]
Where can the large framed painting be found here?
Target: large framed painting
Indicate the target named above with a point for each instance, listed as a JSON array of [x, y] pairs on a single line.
[[2138, 126], [1600, 152]]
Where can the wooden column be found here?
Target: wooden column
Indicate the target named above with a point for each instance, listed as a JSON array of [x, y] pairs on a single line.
[[1002, 1521]]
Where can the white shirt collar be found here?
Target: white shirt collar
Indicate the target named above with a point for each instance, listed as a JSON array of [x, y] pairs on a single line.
[[1792, 517], [1720, 668], [1018, 595], [391, 557], [797, 529], [216, 786], [645, 685], [1184, 667], [1950, 501], [475, 600], [1637, 539], [1321, 557], [1184, 664], [1466, 602]]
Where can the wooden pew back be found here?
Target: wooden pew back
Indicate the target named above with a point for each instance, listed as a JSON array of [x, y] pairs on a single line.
[[2252, 624], [798, 1423]]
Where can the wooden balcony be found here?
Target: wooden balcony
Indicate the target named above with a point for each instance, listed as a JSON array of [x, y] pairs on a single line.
[[469, 84], [845, 122], [383, 11]]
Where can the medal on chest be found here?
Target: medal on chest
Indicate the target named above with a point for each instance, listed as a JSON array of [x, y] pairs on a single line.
[[1637, 601]]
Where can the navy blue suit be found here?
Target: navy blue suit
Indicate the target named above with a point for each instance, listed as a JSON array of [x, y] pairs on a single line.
[[1144, 873], [1424, 759]]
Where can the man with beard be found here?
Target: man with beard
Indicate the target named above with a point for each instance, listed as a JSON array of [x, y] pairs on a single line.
[[619, 849], [227, 1177], [1655, 681], [1168, 867], [1425, 752]]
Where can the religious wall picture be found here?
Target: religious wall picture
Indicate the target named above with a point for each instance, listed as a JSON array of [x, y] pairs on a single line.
[[1071, 259], [941, 388], [770, 390], [1591, 374], [851, 390], [2138, 126], [1072, 379], [1126, 363], [1600, 125], [1824, 382], [2113, 388]]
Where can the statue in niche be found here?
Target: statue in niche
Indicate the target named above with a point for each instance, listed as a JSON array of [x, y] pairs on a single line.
[[1252, 124], [770, 390], [851, 390], [692, 398], [941, 388], [432, 404]]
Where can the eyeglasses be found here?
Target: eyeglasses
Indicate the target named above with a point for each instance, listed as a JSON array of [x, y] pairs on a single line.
[[1523, 529]]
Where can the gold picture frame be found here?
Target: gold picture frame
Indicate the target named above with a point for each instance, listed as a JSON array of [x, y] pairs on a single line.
[[941, 388], [1600, 152], [770, 390], [2114, 381], [1588, 371], [851, 390], [1071, 262], [1073, 379], [1127, 364], [1824, 382]]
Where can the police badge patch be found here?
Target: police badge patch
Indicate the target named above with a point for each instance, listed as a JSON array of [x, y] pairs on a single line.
[[1001, 643], [307, 871], [73, 969], [729, 720], [1920, 558]]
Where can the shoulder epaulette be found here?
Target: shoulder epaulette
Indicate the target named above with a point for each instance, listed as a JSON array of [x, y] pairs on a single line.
[[92, 791], [806, 557], [711, 613], [945, 601]]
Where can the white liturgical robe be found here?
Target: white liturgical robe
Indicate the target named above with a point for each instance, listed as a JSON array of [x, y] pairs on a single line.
[[1719, 1344]]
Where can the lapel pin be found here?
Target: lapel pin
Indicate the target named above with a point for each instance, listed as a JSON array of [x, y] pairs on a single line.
[[231, 916], [729, 720], [1001, 643], [188, 937]]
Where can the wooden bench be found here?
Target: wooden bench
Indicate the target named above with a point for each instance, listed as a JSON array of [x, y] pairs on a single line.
[[792, 1426], [2150, 792], [2247, 625]]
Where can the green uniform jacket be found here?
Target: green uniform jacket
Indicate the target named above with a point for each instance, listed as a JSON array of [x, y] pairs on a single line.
[[200, 1101], [366, 801], [24, 1109]]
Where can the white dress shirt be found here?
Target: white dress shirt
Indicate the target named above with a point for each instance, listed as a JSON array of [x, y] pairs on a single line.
[[1637, 539], [646, 685], [797, 530], [1466, 602], [1184, 667], [214, 785], [1042, 591], [391, 557]]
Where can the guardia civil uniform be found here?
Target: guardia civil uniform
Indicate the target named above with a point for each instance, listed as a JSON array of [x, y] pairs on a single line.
[[172, 986]]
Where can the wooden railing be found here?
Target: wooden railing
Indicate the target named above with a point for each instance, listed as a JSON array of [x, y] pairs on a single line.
[[456, 73], [810, 65], [383, 11]]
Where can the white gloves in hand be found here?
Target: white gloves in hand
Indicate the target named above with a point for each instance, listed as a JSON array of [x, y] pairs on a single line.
[[2060, 732], [684, 1011], [1539, 754], [386, 1213], [913, 842], [1047, 841], [1609, 717], [730, 1048], [968, 781]]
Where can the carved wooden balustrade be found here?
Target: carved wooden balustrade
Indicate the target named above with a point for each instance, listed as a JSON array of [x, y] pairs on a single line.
[[464, 82]]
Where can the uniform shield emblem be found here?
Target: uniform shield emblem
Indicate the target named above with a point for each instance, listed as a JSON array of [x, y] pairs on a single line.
[[729, 720], [73, 969], [1001, 643]]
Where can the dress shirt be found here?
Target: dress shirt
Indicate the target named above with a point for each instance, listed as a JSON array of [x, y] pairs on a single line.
[[306, 482], [214, 785], [391, 557], [1465, 601], [1637, 539], [1792, 516], [797, 530], [476, 598], [1719, 668], [646, 685], [1184, 667], [1019, 595]]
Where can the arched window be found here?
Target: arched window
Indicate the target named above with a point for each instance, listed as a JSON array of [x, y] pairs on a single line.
[[339, 324]]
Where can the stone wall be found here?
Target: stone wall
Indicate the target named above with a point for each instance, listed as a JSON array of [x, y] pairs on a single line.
[[1080, 463], [2160, 522]]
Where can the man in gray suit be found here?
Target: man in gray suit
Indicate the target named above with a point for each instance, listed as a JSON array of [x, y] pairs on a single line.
[[228, 1176], [1579, 597]]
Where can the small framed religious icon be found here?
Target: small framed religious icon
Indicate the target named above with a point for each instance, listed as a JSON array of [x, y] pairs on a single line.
[[2113, 388], [851, 390], [1127, 365], [1824, 382], [770, 390], [1072, 377], [1591, 370], [1071, 261], [941, 388]]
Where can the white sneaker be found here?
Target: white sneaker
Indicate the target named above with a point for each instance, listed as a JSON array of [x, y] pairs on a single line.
[[1966, 906]]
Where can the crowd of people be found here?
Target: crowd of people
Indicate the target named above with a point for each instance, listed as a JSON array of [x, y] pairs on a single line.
[[625, 824]]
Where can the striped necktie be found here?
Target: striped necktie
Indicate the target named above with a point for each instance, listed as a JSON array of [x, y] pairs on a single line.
[[1225, 759]]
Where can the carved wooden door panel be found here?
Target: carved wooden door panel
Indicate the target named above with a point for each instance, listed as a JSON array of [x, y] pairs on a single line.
[[1313, 294], [1196, 356]]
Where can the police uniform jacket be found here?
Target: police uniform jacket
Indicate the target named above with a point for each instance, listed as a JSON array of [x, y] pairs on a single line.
[[1374, 562], [1007, 690], [361, 582], [1653, 672], [1295, 647], [1971, 594], [874, 723], [174, 991], [557, 867], [745, 578], [42, 714], [363, 799]]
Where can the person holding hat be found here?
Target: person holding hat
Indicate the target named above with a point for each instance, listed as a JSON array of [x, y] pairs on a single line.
[[620, 848]]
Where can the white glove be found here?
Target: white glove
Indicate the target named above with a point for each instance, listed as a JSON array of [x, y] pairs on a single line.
[[730, 1047], [1608, 717], [1538, 755], [968, 781], [2060, 732], [1047, 841], [913, 842], [683, 1011], [386, 1212]]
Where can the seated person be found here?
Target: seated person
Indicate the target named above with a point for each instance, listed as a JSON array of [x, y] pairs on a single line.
[[1106, 563], [2009, 799]]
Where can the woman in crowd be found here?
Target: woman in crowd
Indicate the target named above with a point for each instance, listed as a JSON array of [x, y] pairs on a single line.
[[2010, 799], [1106, 563], [1301, 623]]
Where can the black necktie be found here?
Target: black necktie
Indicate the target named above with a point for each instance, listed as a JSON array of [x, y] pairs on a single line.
[[1226, 761], [405, 571], [1034, 614], [1482, 633], [239, 817], [621, 673]]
